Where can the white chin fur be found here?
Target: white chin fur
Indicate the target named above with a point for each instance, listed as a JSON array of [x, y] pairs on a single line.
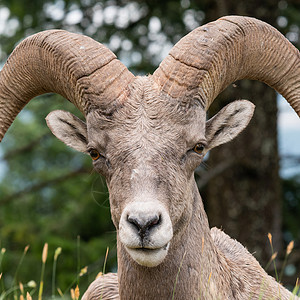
[[149, 250], [148, 257]]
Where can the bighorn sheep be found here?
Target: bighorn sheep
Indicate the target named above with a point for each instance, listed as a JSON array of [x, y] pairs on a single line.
[[147, 135]]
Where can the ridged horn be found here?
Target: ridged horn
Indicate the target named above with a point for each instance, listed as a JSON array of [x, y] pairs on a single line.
[[211, 57], [75, 66]]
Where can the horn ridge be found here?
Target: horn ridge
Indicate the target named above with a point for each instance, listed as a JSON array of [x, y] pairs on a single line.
[[230, 49], [72, 65]]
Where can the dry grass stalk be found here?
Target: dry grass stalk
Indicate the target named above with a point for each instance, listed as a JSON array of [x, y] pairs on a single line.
[[28, 296], [290, 248], [44, 259], [26, 249], [209, 277], [270, 238], [21, 287], [45, 253], [60, 292], [83, 271], [273, 259], [72, 292], [274, 255], [77, 292], [57, 253]]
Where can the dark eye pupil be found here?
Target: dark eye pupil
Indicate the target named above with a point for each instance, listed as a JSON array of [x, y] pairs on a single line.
[[94, 154], [199, 148]]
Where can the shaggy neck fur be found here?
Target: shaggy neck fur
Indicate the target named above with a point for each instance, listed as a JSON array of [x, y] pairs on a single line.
[[193, 260], [202, 264]]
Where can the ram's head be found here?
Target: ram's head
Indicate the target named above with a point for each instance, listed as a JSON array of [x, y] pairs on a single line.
[[147, 135]]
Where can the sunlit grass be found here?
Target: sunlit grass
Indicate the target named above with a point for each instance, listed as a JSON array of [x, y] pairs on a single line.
[[44, 259], [14, 282], [176, 279], [31, 290], [273, 253], [56, 254], [289, 249]]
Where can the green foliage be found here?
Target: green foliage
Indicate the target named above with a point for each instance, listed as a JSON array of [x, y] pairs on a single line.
[[51, 194]]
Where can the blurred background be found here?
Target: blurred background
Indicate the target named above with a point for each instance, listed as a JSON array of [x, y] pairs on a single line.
[[50, 193]]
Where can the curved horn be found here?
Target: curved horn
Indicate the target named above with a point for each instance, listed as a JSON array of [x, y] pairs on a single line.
[[75, 66], [207, 60]]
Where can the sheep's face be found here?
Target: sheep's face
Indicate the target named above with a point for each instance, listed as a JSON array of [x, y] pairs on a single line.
[[148, 150], [148, 160]]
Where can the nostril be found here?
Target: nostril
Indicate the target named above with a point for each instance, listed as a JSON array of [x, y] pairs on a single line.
[[143, 225], [154, 221], [134, 221]]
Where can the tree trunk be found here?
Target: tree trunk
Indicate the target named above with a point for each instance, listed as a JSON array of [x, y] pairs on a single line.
[[245, 199]]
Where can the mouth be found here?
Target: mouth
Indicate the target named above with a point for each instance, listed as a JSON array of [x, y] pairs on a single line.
[[148, 257], [149, 249]]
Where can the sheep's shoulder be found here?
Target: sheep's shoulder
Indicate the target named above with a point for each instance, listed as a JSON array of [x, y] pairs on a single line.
[[104, 287], [248, 279]]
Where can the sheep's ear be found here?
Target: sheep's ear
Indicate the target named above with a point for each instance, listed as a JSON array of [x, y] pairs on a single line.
[[69, 129], [228, 123]]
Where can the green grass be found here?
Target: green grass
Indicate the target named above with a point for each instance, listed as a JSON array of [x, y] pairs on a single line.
[[32, 290]]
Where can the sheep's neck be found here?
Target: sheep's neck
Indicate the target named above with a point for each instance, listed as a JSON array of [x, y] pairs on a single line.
[[190, 270]]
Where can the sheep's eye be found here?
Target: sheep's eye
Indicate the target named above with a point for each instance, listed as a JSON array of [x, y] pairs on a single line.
[[199, 148], [94, 154]]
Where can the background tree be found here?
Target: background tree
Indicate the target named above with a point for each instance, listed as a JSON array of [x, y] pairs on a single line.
[[49, 193], [245, 199], [249, 195]]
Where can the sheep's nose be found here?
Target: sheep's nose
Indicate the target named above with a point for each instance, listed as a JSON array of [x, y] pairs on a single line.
[[145, 230], [143, 225]]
